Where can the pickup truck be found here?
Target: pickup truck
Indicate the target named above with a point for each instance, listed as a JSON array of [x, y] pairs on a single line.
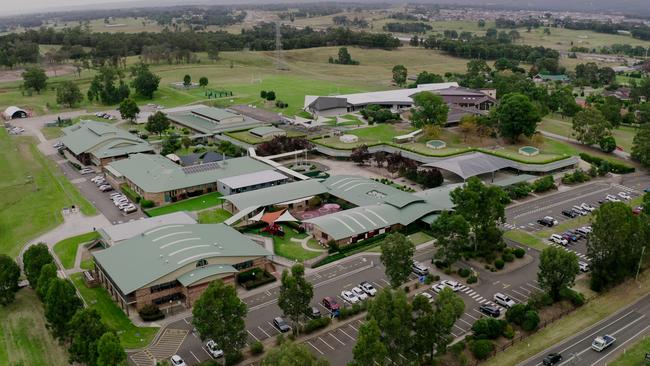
[[600, 343]]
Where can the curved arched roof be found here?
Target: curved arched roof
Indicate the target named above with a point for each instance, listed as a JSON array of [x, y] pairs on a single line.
[[469, 165], [11, 110]]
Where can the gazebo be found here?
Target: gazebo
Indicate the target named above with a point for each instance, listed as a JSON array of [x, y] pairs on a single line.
[[272, 219]]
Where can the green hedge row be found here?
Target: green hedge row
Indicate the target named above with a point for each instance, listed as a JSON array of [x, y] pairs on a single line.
[[614, 167]]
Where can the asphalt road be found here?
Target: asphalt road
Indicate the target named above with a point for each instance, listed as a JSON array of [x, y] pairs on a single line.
[[626, 326]]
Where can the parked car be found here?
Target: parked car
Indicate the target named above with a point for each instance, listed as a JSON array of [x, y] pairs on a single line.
[[85, 171], [545, 222], [569, 213], [438, 287], [580, 210], [419, 269], [453, 285], [601, 343], [571, 236], [624, 195], [551, 219], [555, 238], [96, 178], [330, 304], [176, 360], [552, 359], [426, 295], [504, 300], [106, 188], [587, 207], [116, 194], [213, 350], [492, 311], [576, 234], [637, 210], [130, 209], [582, 232], [359, 293], [584, 266], [368, 288], [281, 325], [314, 313], [611, 198], [349, 297]]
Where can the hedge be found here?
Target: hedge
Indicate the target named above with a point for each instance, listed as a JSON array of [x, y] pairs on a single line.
[[614, 167], [150, 313], [257, 348], [146, 203], [254, 277], [482, 348], [315, 324]]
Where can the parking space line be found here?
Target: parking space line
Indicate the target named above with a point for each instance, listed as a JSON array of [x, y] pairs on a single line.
[[478, 312], [533, 286], [193, 355], [461, 319], [455, 335], [524, 289], [206, 352], [463, 330], [470, 315], [327, 344], [353, 327], [338, 340], [377, 285], [342, 331], [263, 331], [519, 293], [482, 301], [516, 298], [252, 335], [314, 347], [274, 328]]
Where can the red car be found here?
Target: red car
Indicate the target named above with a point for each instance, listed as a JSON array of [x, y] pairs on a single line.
[[330, 304], [637, 210]]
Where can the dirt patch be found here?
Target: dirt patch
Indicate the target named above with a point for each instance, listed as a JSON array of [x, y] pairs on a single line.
[[15, 74]]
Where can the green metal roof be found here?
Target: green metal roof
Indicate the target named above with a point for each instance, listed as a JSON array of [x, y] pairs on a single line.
[[143, 259], [362, 191], [263, 131], [210, 120], [102, 140], [156, 173], [216, 114], [205, 272], [277, 194]]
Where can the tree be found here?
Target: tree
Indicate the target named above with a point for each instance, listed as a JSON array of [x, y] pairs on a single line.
[[144, 81], [360, 155], [203, 81], [85, 330], [34, 78], [557, 270], [292, 354], [9, 276], [451, 232], [483, 208], [397, 256], [109, 351], [48, 272], [157, 123], [428, 78], [429, 109], [129, 109], [369, 349], [187, 80], [641, 145], [643, 112], [295, 295], [393, 314], [102, 87], [61, 303], [219, 314], [614, 245], [33, 260], [467, 125], [607, 144], [590, 126], [399, 74], [68, 93], [516, 115]]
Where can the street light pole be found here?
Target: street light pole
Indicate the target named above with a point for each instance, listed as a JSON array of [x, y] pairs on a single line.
[[638, 269]]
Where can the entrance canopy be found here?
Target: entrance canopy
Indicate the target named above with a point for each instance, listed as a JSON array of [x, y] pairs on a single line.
[[470, 165]]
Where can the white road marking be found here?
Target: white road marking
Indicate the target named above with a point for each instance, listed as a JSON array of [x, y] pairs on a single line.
[[252, 335], [263, 331], [519, 293], [353, 327], [193, 355], [342, 331], [327, 344], [384, 281], [461, 319], [314, 347], [468, 314], [338, 340], [274, 328]]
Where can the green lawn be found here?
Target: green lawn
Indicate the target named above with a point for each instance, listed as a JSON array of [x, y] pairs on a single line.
[[98, 298], [87, 264], [634, 354], [66, 249], [284, 247], [32, 193], [420, 238], [24, 337], [213, 216], [525, 238], [52, 133], [192, 204], [624, 135]]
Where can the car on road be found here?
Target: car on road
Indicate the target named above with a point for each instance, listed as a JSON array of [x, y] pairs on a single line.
[[612, 198], [349, 297], [213, 350], [359, 293], [281, 325], [176, 360], [426, 295], [368, 288], [330, 304], [504, 300], [492, 311], [314, 313], [419, 269], [587, 207], [569, 213], [452, 285], [584, 266], [438, 287], [555, 238], [552, 359], [602, 342], [624, 195]]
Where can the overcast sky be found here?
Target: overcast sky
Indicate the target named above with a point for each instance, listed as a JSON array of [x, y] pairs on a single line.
[[32, 6]]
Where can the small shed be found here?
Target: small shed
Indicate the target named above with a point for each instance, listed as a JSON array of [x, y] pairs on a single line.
[[14, 112]]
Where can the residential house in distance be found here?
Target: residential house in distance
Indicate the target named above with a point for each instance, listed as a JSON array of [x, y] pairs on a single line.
[[622, 93], [100, 143], [173, 264]]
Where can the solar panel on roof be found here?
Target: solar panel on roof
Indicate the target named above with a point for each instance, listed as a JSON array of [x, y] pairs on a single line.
[[201, 168]]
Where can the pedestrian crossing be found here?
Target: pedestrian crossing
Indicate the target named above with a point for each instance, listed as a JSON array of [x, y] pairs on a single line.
[[625, 188], [478, 298], [579, 255], [509, 226]]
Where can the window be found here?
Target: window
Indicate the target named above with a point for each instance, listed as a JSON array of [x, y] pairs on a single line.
[[202, 263], [243, 265], [163, 286], [166, 299]]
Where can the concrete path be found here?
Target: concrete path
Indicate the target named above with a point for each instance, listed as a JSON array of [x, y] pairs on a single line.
[[303, 243]]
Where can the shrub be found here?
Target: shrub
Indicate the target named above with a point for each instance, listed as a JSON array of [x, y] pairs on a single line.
[[257, 348], [488, 328], [407, 289], [516, 313], [540, 300], [440, 264], [279, 340], [607, 144], [578, 176], [482, 348], [150, 313], [457, 348], [254, 277], [519, 252], [576, 298], [146, 203], [447, 270], [518, 190], [544, 184], [233, 358], [531, 321], [508, 257], [499, 263], [607, 166], [128, 192], [464, 272], [348, 311], [472, 279], [315, 324], [509, 331]]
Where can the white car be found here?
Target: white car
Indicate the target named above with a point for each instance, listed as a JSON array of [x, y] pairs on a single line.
[[86, 171], [438, 287], [624, 196], [349, 297], [96, 178], [587, 207], [504, 300], [452, 285], [120, 202], [130, 208], [426, 295], [213, 350], [580, 210], [584, 266], [611, 198], [106, 188], [116, 194], [555, 238], [176, 360], [359, 293], [368, 288]]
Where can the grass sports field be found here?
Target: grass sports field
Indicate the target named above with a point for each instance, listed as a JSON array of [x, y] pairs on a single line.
[[31, 186]]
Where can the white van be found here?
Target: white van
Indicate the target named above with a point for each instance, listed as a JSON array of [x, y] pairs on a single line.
[[555, 238]]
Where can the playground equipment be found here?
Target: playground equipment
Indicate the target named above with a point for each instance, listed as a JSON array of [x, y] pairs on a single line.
[[211, 93]]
